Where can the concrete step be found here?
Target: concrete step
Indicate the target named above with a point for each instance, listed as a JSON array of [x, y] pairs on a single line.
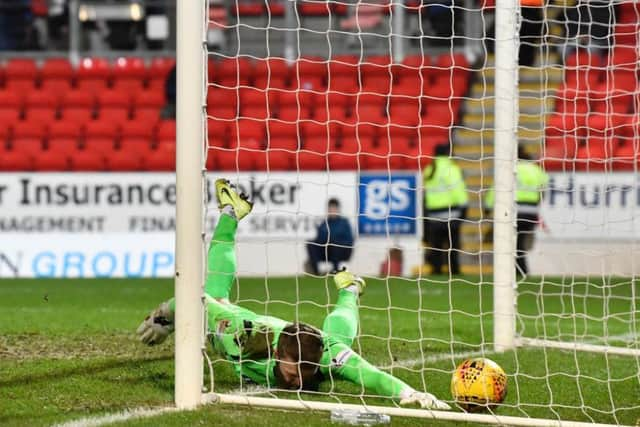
[[477, 247], [483, 181], [527, 105], [486, 121], [475, 167], [470, 268], [485, 137], [473, 151]]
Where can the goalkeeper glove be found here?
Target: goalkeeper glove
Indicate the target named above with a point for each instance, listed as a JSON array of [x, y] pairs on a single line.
[[157, 326], [425, 400]]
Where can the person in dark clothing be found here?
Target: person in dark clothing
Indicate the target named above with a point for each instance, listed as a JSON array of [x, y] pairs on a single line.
[[169, 110], [15, 25], [531, 30], [333, 242]]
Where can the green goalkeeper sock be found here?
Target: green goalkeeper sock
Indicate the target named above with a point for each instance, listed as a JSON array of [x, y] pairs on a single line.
[[221, 259], [342, 322]]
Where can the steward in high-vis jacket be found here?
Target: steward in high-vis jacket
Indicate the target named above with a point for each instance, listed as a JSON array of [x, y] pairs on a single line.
[[445, 205], [531, 182]]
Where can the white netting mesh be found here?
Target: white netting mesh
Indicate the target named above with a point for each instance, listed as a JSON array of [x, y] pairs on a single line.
[[311, 100]]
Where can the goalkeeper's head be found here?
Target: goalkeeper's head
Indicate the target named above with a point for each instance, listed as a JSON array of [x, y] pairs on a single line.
[[298, 356]]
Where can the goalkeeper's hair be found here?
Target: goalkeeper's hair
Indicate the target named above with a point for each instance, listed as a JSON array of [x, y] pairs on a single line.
[[301, 343]]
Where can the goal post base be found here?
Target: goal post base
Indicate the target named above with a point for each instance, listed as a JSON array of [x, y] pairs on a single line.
[[267, 402]]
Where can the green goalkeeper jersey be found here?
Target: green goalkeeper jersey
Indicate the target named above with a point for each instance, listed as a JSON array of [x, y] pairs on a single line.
[[238, 334]]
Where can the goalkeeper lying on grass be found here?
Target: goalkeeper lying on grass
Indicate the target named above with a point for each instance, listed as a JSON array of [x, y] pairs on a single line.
[[271, 351]]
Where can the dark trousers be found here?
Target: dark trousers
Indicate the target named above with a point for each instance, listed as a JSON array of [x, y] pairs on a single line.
[[530, 33], [526, 226], [443, 238], [327, 253]]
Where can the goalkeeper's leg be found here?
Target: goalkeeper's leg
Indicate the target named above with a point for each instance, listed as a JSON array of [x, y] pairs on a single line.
[[342, 322], [221, 258]]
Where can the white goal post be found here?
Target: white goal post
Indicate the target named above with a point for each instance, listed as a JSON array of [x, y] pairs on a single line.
[[502, 137], [189, 274]]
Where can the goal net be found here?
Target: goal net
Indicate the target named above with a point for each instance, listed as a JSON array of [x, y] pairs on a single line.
[[309, 101]]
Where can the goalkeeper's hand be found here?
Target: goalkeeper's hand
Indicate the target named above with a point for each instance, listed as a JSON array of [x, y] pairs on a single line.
[[425, 400], [157, 326]]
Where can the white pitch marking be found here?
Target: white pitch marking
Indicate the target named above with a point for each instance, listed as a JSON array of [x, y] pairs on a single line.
[[113, 418], [410, 363]]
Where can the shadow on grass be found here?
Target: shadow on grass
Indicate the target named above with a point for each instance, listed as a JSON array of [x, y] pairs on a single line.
[[91, 367]]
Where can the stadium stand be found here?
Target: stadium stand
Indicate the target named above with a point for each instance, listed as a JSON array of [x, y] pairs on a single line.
[[594, 125], [263, 113]]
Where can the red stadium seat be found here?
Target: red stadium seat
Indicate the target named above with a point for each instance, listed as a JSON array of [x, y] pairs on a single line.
[[252, 97], [79, 116], [276, 68], [79, 99], [88, 161], [10, 99], [326, 131], [370, 130], [277, 129], [102, 129], [67, 146], [124, 161], [57, 68], [115, 115], [160, 160], [138, 144], [99, 144], [21, 68], [278, 160], [42, 115], [220, 97], [42, 99], [149, 99], [29, 145], [5, 130], [334, 115], [234, 72], [21, 74], [312, 161], [286, 144], [149, 116], [166, 130], [9, 115], [309, 73], [57, 75], [93, 74], [368, 113], [627, 156], [217, 129], [313, 8], [137, 129], [29, 129], [294, 113], [51, 162], [129, 74], [247, 129], [114, 98], [15, 161], [372, 99], [56, 86]]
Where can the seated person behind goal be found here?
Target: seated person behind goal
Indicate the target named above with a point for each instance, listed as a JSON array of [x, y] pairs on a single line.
[[333, 242], [271, 351]]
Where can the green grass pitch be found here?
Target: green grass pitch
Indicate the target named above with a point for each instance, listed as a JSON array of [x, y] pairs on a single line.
[[68, 349]]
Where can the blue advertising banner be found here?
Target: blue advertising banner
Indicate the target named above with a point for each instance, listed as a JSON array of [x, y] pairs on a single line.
[[387, 204]]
